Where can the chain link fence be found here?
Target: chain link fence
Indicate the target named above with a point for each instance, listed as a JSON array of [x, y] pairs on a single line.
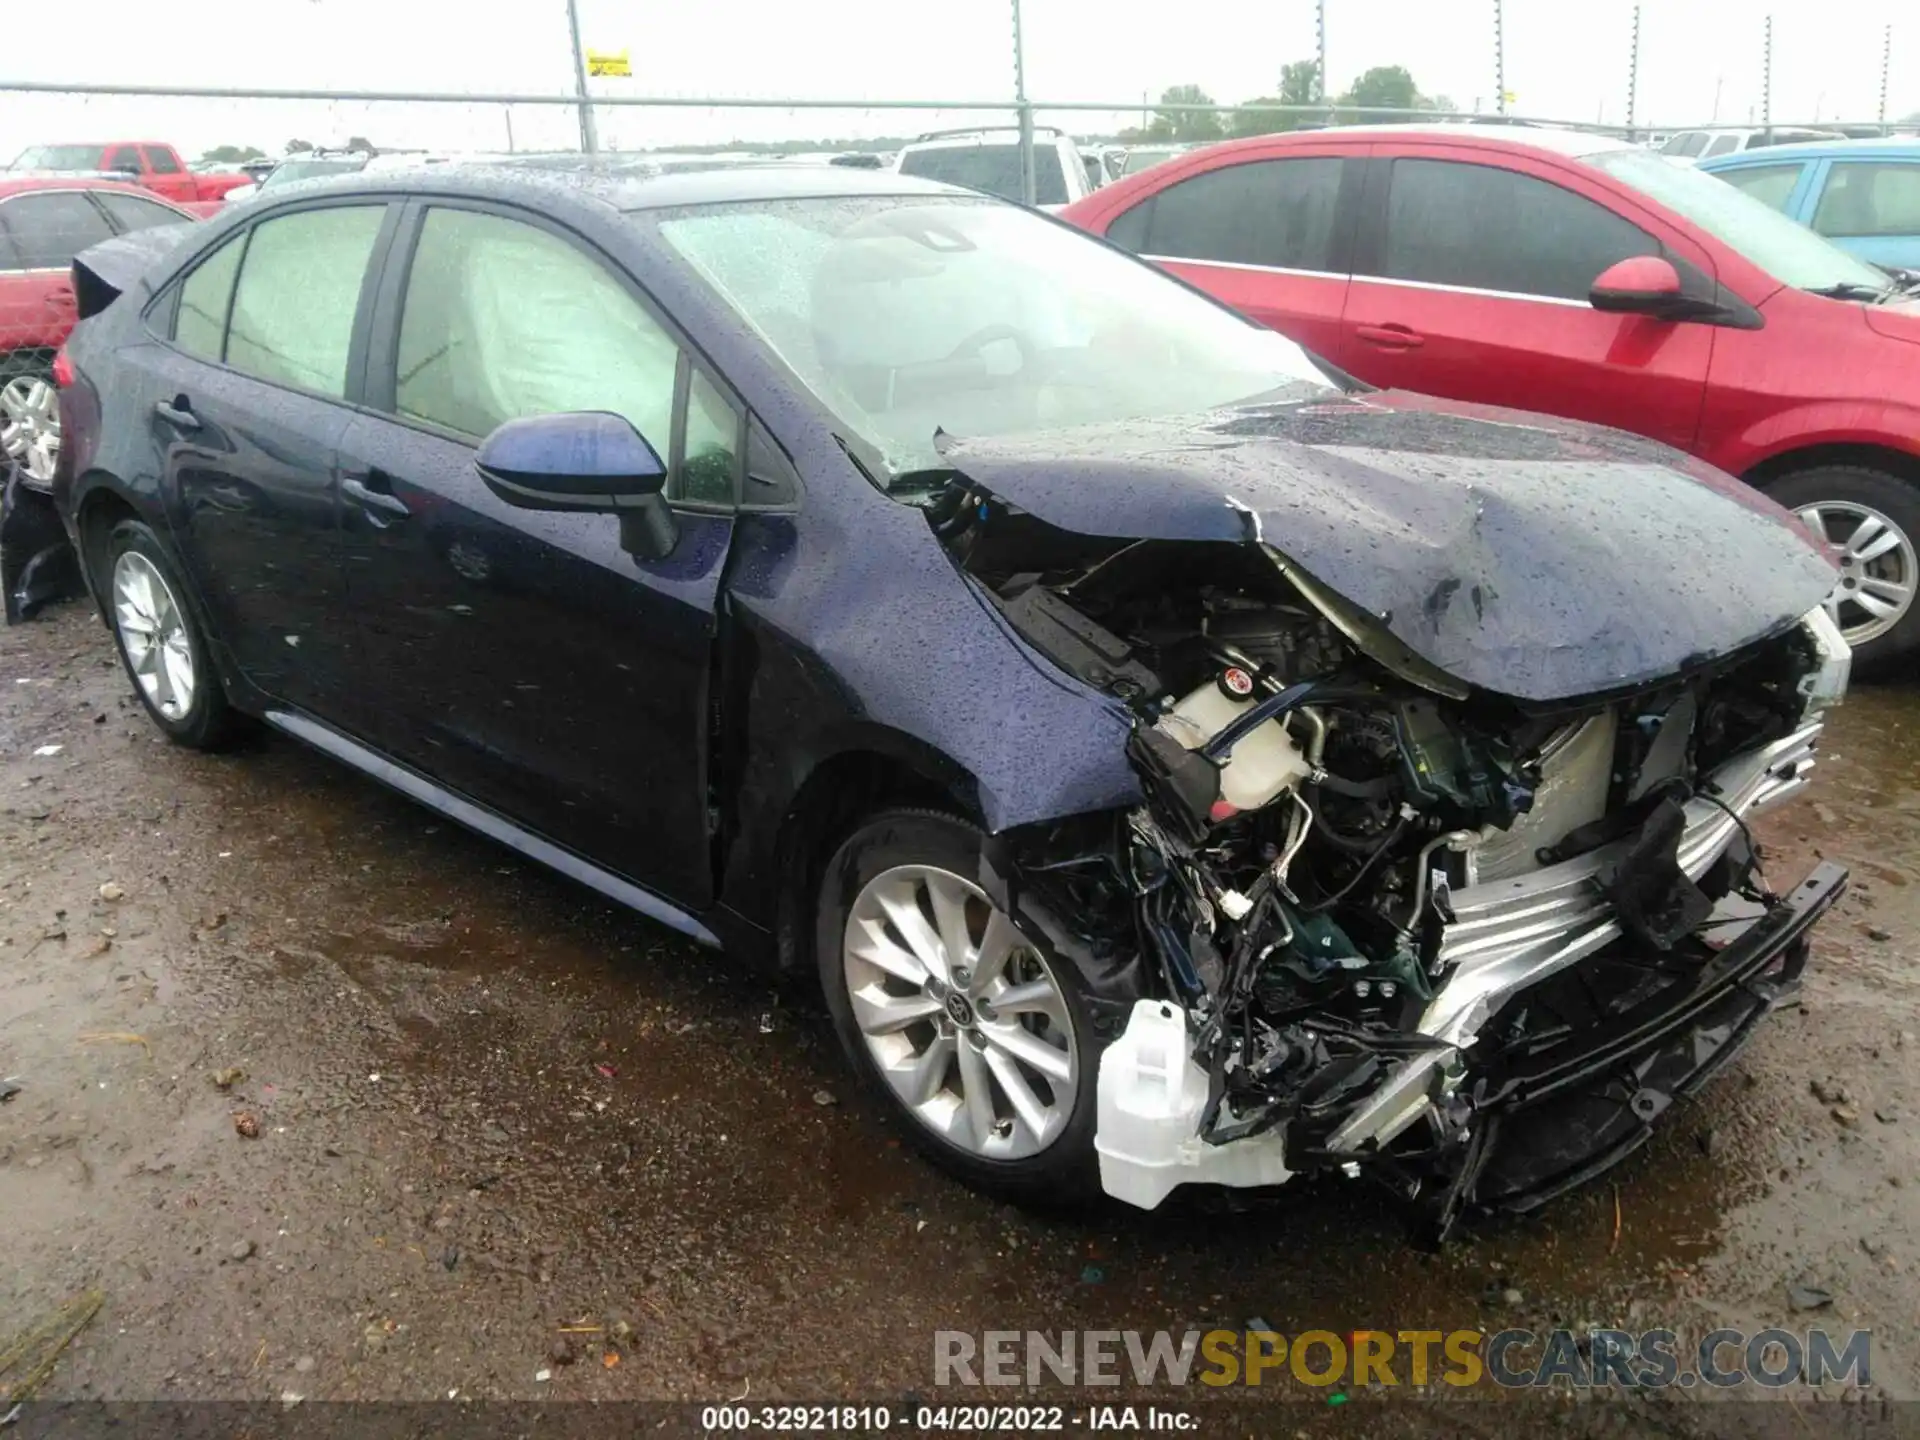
[[1469, 60]]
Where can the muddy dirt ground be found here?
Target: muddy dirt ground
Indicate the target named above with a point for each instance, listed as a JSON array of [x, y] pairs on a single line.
[[491, 1107]]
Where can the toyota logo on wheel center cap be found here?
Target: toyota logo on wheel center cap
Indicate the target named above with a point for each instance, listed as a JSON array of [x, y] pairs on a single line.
[[959, 1010]]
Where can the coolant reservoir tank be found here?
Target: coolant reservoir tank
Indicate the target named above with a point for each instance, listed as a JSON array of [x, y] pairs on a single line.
[[1262, 765]]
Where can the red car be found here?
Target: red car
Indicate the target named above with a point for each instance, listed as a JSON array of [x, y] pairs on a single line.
[[147, 163], [1579, 276], [44, 222]]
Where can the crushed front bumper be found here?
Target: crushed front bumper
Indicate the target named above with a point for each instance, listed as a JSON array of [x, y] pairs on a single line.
[[1550, 1119], [1539, 1117]]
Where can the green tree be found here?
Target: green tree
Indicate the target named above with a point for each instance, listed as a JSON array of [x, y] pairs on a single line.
[[232, 154], [1383, 88], [298, 147], [1297, 87], [1185, 126]]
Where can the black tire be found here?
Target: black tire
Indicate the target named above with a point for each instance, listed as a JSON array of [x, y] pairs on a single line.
[[1062, 1175], [1899, 502], [208, 722]]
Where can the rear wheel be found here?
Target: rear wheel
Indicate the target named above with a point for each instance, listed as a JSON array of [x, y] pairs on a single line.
[[975, 1037], [1871, 519], [29, 415], [161, 644]]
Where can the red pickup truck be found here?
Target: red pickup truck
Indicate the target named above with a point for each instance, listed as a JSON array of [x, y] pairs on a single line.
[[142, 162]]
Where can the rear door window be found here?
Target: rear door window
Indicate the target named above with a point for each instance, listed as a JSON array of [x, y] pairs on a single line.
[[1771, 185], [125, 159], [1479, 227], [1277, 213], [161, 160], [1722, 145], [294, 307], [49, 229], [1863, 198], [132, 212]]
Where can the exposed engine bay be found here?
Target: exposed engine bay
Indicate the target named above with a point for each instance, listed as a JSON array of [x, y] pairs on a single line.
[[1380, 912]]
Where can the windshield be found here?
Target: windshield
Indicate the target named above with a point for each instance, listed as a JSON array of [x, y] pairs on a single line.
[[287, 171], [1138, 160], [1687, 142], [990, 169], [1785, 249], [907, 316], [59, 157]]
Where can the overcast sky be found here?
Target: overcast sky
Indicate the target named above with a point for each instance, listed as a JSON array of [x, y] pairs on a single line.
[[1565, 58]]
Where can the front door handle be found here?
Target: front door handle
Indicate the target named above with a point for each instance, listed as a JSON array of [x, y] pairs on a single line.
[[177, 413], [1390, 337], [359, 491]]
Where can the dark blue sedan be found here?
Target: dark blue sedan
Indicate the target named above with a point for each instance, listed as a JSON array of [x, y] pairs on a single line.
[[1179, 763]]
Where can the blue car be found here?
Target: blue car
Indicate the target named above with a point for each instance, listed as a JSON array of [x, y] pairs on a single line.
[[1176, 762], [1864, 195]]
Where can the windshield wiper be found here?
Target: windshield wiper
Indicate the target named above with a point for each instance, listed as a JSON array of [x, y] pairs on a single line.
[[1849, 290], [929, 480]]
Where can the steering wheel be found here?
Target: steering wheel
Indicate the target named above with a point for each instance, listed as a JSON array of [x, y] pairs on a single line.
[[971, 347]]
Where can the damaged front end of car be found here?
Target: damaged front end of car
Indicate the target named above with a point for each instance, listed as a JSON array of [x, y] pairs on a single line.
[[1416, 892]]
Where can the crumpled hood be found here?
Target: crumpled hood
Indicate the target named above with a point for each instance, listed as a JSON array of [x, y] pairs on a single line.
[[1539, 559]]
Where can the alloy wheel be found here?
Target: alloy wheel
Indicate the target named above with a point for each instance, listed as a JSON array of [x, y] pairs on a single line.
[[1878, 568], [30, 425], [153, 629], [963, 1018]]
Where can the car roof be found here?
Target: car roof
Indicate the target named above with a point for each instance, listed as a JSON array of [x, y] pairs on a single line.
[[1889, 147], [53, 180], [1043, 135], [1573, 143], [632, 182]]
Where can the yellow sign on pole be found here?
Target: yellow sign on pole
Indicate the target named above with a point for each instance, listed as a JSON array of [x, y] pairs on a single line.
[[608, 62]]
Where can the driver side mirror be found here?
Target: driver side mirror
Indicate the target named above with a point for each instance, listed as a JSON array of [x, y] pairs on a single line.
[[1649, 285], [585, 461]]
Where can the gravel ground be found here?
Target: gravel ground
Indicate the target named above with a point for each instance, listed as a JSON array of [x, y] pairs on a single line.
[[513, 1143]]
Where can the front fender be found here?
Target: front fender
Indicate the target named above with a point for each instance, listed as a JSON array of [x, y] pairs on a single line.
[[1882, 424]]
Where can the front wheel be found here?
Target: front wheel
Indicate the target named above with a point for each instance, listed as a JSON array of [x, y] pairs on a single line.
[[975, 1037], [1871, 519]]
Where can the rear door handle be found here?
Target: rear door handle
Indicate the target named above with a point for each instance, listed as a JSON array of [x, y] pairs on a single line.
[[359, 491], [1390, 337], [177, 413]]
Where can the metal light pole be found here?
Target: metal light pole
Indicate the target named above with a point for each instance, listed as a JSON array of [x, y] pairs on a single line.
[[589, 140], [1025, 111], [1766, 82], [1320, 54], [1886, 62], [1633, 72], [1499, 59]]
